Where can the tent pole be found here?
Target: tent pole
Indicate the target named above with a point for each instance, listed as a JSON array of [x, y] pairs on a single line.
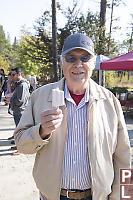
[[100, 77]]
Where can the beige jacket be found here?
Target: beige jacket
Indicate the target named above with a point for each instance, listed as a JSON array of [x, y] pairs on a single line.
[[108, 142]]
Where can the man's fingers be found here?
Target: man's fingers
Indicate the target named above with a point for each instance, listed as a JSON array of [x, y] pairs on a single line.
[[50, 120], [51, 117], [53, 123], [51, 127], [55, 111]]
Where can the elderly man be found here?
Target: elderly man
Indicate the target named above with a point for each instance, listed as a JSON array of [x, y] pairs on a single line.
[[77, 130]]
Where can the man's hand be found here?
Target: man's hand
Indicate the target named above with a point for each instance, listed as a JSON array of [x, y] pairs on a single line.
[[50, 121]]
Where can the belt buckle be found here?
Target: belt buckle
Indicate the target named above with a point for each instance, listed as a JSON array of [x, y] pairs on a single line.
[[68, 191]]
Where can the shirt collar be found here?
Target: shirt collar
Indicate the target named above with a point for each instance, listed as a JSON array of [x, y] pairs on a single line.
[[69, 98]]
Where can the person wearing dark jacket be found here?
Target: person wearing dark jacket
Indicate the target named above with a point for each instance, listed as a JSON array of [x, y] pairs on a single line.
[[20, 97], [2, 83]]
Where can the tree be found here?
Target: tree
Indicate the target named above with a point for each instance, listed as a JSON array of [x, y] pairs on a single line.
[[3, 41], [71, 16], [35, 51], [7, 51], [4, 64], [102, 37], [114, 3], [131, 36], [33, 56], [54, 40], [4, 50]]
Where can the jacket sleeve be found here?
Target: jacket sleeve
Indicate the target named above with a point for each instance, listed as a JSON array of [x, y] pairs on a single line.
[[26, 134], [121, 157]]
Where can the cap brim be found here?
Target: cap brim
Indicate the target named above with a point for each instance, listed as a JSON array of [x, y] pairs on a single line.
[[68, 50]]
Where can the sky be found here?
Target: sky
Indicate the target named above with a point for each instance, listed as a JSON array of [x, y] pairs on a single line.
[[14, 14]]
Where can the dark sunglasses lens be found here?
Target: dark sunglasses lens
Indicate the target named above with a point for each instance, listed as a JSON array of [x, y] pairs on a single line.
[[85, 58], [70, 58], [13, 74]]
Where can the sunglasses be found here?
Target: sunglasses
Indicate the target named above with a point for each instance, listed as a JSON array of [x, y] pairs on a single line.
[[72, 58]]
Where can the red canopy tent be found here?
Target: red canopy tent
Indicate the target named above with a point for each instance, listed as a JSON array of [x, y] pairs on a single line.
[[123, 62]]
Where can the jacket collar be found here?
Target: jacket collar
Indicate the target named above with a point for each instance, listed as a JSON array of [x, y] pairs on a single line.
[[96, 91]]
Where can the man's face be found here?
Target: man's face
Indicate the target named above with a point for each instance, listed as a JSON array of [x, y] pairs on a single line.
[[15, 76], [10, 77], [77, 69]]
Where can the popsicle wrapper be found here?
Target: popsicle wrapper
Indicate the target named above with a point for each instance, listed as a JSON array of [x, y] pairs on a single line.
[[57, 98]]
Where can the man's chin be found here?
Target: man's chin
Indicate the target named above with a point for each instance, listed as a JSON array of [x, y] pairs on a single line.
[[78, 80]]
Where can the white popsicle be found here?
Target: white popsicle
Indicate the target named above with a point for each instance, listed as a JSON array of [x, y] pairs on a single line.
[[57, 98]]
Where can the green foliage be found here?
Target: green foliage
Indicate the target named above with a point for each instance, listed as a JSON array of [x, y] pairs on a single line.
[[110, 78], [3, 41], [118, 90], [33, 56], [88, 24], [7, 51], [118, 78], [34, 52], [4, 64]]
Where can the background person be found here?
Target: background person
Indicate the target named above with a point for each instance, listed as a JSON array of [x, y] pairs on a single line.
[[20, 97], [34, 82], [10, 88], [3, 85], [82, 143]]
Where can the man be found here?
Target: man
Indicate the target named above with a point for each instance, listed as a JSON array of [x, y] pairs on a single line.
[[3, 85], [82, 144], [20, 97]]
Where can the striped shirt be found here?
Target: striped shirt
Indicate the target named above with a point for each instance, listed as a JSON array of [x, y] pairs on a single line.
[[76, 171]]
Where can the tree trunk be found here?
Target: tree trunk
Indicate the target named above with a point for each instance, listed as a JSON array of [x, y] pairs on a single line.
[[54, 40], [102, 27], [111, 20], [102, 33]]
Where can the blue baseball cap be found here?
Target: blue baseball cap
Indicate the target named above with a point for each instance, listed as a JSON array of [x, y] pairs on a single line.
[[78, 41]]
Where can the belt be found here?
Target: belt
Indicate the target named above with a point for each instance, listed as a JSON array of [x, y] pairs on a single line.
[[76, 194]]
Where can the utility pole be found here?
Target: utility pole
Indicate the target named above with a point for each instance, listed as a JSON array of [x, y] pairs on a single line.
[[54, 40]]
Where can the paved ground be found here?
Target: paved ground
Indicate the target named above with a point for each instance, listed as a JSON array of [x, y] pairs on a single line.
[[16, 182]]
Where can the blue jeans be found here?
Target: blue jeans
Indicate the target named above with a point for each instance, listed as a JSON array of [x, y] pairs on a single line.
[[65, 198]]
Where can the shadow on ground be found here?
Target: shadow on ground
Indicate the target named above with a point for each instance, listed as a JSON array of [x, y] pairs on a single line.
[[6, 145], [7, 129], [6, 152], [4, 142]]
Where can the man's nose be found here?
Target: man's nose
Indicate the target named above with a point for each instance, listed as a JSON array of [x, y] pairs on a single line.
[[78, 63]]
